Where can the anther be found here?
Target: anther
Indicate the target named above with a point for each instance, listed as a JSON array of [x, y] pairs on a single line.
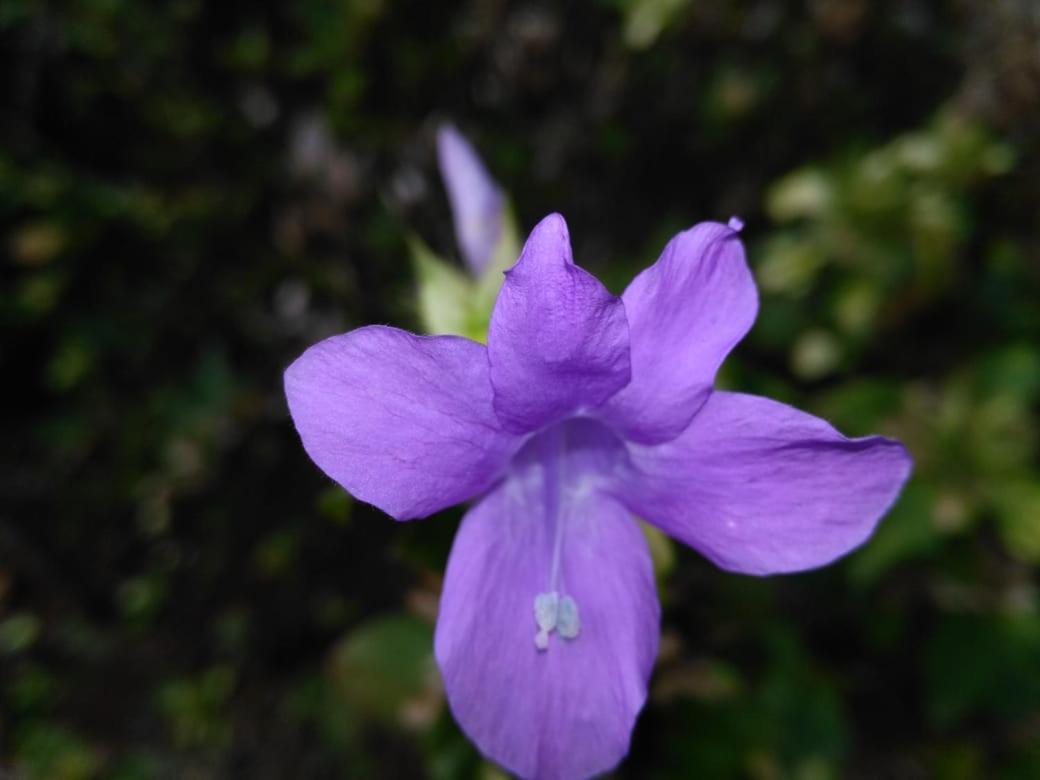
[[555, 613], [568, 623], [546, 609]]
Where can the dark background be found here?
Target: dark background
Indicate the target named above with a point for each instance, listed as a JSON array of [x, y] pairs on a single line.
[[191, 193]]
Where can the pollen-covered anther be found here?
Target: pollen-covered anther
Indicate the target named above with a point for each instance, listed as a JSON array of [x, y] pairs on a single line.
[[568, 622], [553, 612]]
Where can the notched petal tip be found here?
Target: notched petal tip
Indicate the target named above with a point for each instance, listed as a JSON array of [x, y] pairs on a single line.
[[549, 243], [554, 220]]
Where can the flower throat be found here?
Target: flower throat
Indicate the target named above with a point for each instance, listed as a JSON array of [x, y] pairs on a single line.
[[553, 609]]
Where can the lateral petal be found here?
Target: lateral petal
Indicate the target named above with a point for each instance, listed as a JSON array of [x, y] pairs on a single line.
[[401, 421], [762, 488]]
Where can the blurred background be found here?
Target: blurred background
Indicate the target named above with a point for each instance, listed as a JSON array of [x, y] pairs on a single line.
[[191, 193]]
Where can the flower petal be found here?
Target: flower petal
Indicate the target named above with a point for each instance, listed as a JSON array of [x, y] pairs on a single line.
[[762, 488], [477, 203], [685, 313], [558, 340], [566, 711], [401, 421]]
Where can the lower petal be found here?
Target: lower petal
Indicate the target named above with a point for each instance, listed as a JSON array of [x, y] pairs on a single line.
[[762, 488], [566, 711]]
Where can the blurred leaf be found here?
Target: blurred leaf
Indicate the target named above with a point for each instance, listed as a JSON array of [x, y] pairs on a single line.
[[816, 354], [37, 243], [32, 689], [336, 504], [313, 701], [276, 553], [959, 762], [45, 751], [250, 50], [708, 680], [1018, 517], [445, 292], [803, 193], [789, 265], [1013, 370], [141, 598], [859, 407], [451, 301], [385, 668], [70, 364], [139, 765], [788, 723], [985, 664], [894, 221], [39, 293], [645, 20], [194, 708], [18, 632]]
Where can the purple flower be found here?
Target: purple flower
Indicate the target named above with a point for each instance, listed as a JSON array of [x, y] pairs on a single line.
[[477, 203], [584, 410]]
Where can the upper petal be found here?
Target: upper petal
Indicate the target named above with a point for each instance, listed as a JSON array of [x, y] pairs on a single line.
[[558, 340], [401, 421], [477, 203], [568, 711], [761, 488], [685, 313]]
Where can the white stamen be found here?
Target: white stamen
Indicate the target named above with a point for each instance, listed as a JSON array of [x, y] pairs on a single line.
[[555, 613], [541, 640], [546, 610], [568, 623]]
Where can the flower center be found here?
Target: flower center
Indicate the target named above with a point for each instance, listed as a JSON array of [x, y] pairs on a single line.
[[568, 459]]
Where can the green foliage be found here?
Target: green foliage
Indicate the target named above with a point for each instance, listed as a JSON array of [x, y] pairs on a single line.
[[788, 722], [984, 665], [875, 237], [450, 301], [18, 632], [48, 751], [385, 670], [194, 708]]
